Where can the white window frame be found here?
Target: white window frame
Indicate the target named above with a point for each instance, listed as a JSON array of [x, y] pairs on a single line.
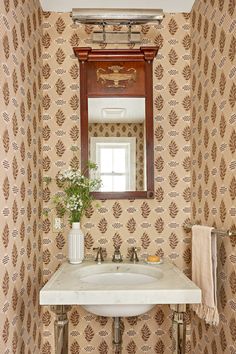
[[130, 142]]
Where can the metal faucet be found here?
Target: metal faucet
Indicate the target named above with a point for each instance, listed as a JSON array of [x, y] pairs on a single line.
[[133, 254], [117, 257], [99, 257]]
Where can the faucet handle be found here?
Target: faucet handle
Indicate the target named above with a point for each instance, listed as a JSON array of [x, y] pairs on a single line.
[[133, 253], [100, 254]]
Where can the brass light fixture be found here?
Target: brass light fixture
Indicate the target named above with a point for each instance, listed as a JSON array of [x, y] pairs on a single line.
[[116, 16], [124, 17]]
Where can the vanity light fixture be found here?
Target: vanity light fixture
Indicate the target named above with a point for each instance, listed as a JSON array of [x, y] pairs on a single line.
[[124, 17], [116, 16]]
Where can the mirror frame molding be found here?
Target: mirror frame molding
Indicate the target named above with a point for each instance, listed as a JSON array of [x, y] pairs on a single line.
[[143, 54]]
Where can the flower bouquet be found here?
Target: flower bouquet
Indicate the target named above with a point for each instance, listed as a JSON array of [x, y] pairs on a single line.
[[74, 200]]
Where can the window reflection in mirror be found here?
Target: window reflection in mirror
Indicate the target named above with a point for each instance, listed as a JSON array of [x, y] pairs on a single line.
[[117, 142]]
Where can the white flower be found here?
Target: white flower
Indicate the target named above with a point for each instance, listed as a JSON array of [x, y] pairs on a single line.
[[74, 203], [76, 188]]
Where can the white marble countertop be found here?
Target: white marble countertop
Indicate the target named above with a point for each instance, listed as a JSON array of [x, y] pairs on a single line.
[[170, 287]]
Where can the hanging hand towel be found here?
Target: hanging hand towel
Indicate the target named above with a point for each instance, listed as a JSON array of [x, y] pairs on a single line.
[[204, 266]]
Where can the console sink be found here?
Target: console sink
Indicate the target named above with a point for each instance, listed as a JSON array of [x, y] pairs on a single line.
[[119, 290]]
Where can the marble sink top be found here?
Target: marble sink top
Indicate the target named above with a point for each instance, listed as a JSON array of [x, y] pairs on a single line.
[[159, 284]]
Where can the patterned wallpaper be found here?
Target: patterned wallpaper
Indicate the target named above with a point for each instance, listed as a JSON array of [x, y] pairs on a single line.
[[135, 130], [20, 175], [214, 156], [154, 225]]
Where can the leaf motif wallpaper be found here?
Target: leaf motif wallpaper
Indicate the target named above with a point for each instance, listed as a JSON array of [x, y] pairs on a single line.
[[194, 159], [154, 225], [20, 175], [213, 66]]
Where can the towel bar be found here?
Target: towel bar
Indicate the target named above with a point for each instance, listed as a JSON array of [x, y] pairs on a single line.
[[216, 231]]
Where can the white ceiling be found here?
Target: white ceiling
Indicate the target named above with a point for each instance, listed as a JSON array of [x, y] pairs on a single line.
[[169, 6], [116, 110]]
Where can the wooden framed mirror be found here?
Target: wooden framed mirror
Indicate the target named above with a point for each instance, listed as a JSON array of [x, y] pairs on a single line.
[[116, 107]]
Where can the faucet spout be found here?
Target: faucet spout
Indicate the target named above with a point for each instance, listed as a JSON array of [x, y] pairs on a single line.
[[117, 257]]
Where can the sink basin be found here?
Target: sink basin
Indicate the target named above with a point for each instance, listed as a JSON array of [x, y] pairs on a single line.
[[119, 289], [117, 276], [127, 274]]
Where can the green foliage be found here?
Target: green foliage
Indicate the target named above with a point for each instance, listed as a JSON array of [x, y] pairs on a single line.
[[76, 196]]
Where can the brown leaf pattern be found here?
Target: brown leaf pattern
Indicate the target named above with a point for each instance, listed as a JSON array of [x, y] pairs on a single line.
[[75, 317], [89, 333], [102, 225], [145, 210], [131, 225], [145, 240], [160, 347], [213, 182], [145, 332], [117, 210], [120, 218], [75, 348], [113, 223], [117, 240]]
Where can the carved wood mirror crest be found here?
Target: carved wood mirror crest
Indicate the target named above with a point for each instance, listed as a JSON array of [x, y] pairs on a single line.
[[116, 76]]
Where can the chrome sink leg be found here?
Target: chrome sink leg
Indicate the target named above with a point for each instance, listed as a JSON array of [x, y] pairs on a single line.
[[117, 335], [179, 329], [61, 328]]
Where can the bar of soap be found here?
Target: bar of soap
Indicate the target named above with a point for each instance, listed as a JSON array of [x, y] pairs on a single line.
[[153, 259]]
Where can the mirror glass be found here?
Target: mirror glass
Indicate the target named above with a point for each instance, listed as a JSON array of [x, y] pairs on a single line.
[[116, 127]]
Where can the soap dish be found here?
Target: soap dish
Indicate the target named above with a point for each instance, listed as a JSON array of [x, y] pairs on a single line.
[[154, 263]]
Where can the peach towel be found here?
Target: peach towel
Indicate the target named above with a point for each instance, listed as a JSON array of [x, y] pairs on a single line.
[[204, 275]]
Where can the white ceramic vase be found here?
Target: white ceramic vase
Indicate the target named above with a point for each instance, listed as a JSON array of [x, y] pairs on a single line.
[[75, 244]]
